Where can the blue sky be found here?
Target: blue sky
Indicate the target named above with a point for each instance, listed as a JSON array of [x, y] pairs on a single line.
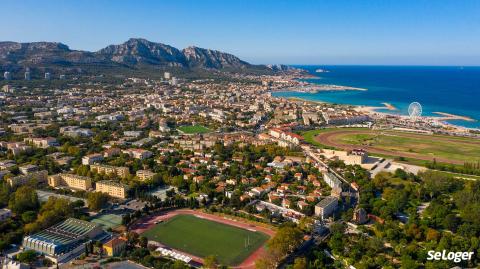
[[407, 32]]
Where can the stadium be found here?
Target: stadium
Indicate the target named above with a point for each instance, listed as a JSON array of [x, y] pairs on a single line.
[[192, 235]]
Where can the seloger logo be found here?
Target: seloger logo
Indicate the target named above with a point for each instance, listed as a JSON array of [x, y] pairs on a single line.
[[449, 256]]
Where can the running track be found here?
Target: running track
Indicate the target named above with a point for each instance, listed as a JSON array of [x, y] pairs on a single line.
[[148, 222], [330, 139]]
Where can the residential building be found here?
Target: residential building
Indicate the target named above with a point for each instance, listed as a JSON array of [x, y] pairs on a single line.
[[134, 134], [42, 142], [332, 181], [120, 171], [138, 153], [75, 131], [28, 168], [326, 207], [344, 118], [5, 164], [145, 174], [92, 158], [112, 188], [40, 176], [111, 152], [70, 181], [15, 147]]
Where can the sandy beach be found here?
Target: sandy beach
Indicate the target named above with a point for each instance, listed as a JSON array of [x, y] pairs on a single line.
[[296, 99], [448, 116], [443, 117], [373, 109], [310, 88], [389, 106]]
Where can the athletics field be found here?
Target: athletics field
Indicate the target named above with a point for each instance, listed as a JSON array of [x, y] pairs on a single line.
[[202, 237]]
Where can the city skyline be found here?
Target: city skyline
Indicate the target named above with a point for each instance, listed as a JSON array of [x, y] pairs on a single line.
[[300, 32], [208, 134]]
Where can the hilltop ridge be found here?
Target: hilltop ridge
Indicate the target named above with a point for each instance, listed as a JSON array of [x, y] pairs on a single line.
[[135, 53]]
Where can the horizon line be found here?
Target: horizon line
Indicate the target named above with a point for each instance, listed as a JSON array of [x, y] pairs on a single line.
[[250, 62]]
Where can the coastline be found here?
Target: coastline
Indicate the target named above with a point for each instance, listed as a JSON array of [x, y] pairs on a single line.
[[389, 106], [310, 88], [449, 116], [303, 90], [373, 109], [443, 117], [298, 99]]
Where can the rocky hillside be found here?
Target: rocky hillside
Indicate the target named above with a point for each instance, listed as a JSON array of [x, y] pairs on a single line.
[[42, 53], [205, 58], [134, 54], [141, 51]]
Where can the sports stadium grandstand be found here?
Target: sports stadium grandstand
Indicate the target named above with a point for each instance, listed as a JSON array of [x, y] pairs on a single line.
[[64, 240]]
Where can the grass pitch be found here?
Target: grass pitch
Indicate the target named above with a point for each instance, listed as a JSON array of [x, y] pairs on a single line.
[[193, 129], [202, 237], [446, 149]]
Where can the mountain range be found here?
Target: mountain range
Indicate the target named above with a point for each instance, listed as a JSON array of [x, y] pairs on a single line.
[[136, 53]]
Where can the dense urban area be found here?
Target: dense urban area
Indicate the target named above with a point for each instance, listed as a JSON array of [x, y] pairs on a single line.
[[178, 171]]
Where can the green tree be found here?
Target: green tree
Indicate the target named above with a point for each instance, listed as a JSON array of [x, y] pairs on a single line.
[[23, 199], [97, 200], [267, 261], [179, 265], [306, 224], [53, 211], [29, 216], [78, 204], [126, 219], [210, 262], [132, 238], [300, 263], [143, 241], [28, 256], [5, 192], [287, 239]]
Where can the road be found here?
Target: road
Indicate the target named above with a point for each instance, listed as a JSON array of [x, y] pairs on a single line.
[[352, 192]]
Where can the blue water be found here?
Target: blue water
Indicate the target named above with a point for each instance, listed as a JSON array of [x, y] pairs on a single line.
[[454, 90]]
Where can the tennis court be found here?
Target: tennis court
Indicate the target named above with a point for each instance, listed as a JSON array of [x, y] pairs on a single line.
[[108, 220]]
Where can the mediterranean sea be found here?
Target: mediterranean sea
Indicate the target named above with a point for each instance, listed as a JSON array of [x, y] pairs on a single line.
[[454, 90]]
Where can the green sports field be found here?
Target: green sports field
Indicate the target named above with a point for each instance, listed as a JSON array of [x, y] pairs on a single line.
[[202, 237], [193, 129], [445, 149]]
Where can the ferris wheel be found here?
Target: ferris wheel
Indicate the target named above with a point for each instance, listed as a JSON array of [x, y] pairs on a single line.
[[415, 110]]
